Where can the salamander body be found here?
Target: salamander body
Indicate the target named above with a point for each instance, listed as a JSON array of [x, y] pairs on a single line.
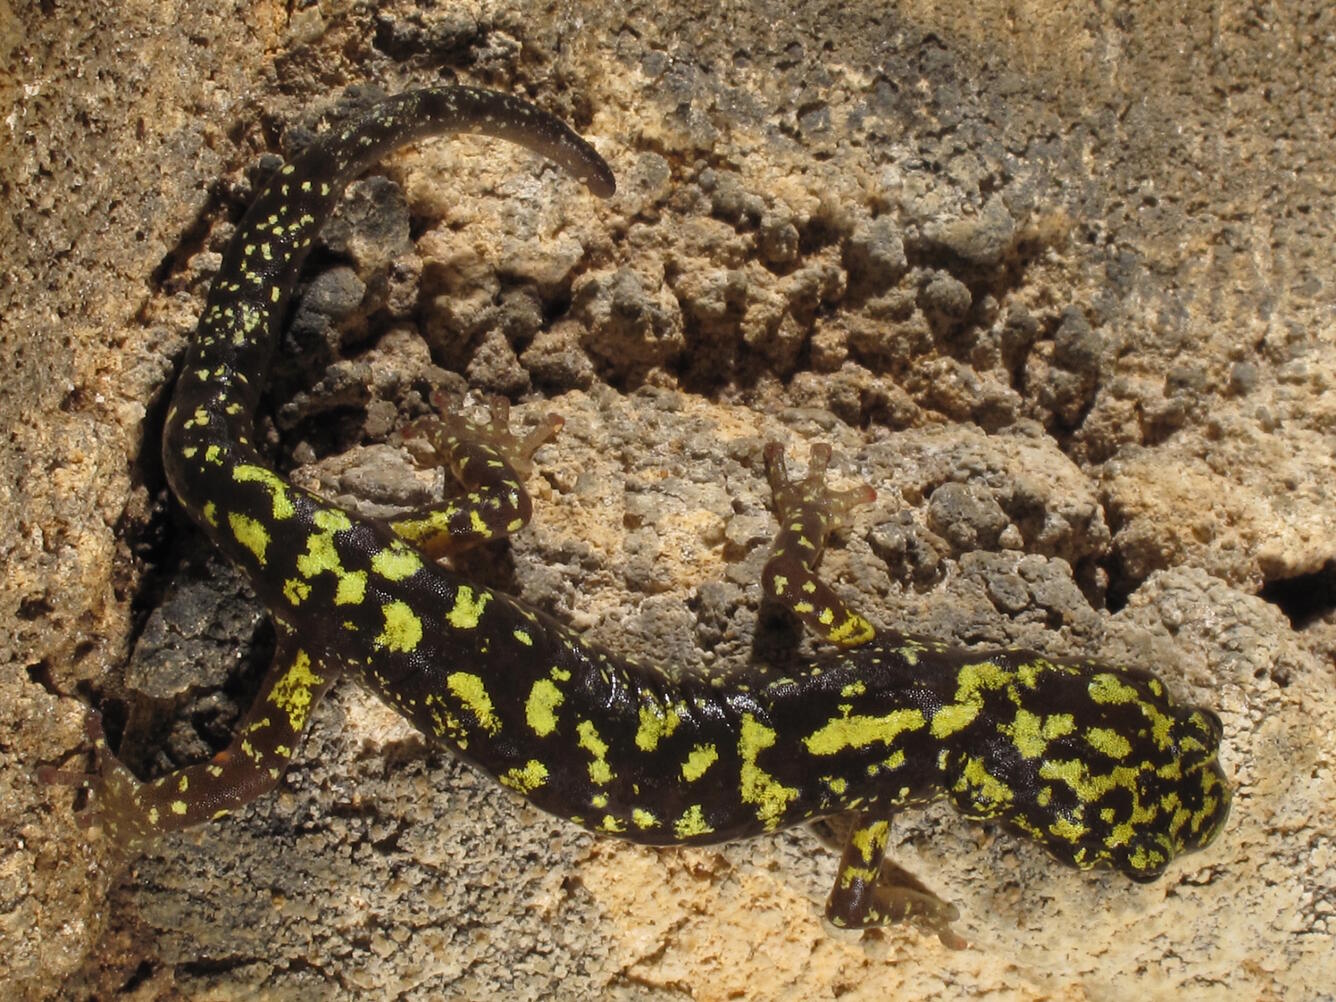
[[1097, 764]]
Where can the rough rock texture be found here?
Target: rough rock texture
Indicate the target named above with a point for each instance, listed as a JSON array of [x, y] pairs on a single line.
[[1055, 280]]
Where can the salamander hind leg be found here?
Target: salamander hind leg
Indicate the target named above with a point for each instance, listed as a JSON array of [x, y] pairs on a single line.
[[809, 510], [490, 462], [872, 891], [132, 812]]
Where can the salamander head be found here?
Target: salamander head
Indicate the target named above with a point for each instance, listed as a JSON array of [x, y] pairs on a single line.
[[1187, 797], [1098, 765], [1148, 791]]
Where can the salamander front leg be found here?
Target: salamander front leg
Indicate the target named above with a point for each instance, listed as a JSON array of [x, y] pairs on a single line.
[[808, 511], [133, 813], [490, 462], [870, 890]]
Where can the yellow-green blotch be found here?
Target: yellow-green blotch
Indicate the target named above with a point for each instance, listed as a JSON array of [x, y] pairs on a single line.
[[599, 770], [396, 562], [467, 610], [526, 778], [473, 694], [403, 629], [540, 709], [692, 823], [294, 693], [757, 786], [700, 759], [859, 730], [251, 534], [656, 723]]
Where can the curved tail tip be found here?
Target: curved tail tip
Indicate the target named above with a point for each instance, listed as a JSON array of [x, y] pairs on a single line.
[[600, 181]]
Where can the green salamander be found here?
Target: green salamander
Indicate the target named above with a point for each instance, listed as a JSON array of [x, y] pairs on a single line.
[[1097, 764]]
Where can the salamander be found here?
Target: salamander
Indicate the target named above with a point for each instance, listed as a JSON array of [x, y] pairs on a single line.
[[1097, 764]]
